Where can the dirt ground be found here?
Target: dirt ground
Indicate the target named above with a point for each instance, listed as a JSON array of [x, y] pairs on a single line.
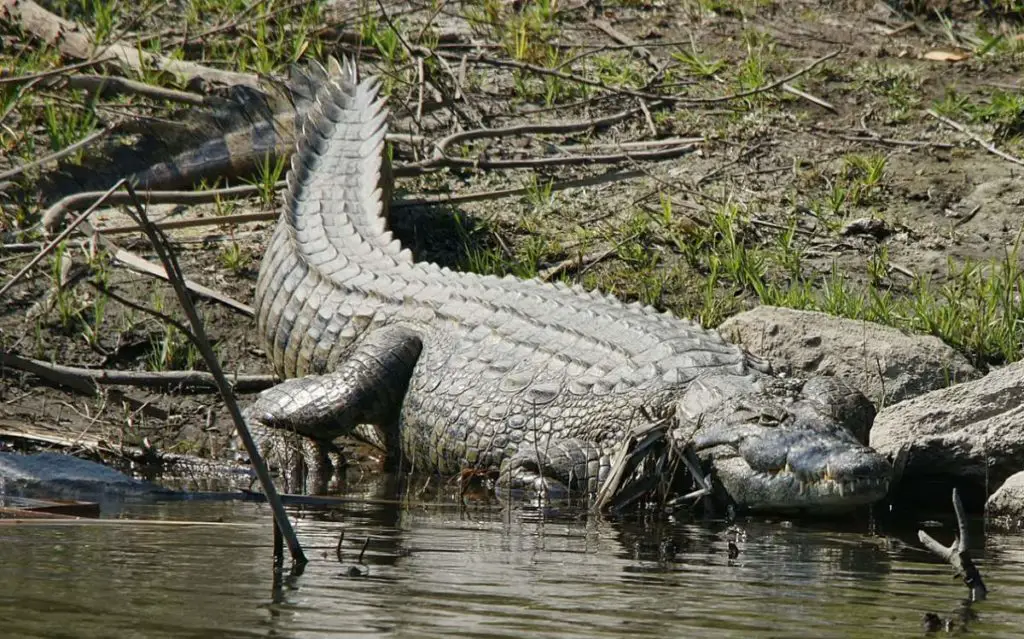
[[841, 170]]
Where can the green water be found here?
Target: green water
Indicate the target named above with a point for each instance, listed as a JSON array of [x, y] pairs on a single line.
[[436, 569]]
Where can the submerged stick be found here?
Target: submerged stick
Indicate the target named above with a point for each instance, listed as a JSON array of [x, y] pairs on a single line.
[[177, 280], [957, 554]]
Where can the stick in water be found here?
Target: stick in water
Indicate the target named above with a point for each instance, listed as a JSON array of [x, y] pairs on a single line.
[[957, 554], [177, 280]]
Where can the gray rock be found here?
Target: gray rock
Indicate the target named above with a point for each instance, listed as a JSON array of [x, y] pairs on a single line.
[[973, 431], [873, 358], [1006, 505], [53, 474]]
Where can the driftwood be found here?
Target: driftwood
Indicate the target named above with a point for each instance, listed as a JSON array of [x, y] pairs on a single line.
[[957, 553], [958, 556]]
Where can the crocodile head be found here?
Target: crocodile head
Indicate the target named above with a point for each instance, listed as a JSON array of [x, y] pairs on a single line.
[[785, 444]]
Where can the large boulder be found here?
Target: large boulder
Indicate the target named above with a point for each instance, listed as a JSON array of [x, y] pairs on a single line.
[[973, 431], [56, 475], [884, 363], [1006, 505]]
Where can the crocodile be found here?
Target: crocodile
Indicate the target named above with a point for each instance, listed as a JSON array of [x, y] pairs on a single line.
[[541, 383], [244, 131], [238, 134]]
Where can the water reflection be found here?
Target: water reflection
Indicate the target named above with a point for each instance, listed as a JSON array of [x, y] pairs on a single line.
[[441, 568]]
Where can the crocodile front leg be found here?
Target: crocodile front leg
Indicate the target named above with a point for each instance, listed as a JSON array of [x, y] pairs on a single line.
[[295, 423]]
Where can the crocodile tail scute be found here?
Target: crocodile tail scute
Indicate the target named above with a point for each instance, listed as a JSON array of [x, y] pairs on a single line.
[[334, 201]]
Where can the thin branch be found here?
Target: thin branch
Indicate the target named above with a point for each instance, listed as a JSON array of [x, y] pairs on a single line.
[[49, 73], [678, 99], [56, 155], [177, 280], [957, 554], [991, 148], [54, 215], [144, 266], [111, 85], [557, 128], [60, 238], [87, 378], [788, 88], [560, 160], [187, 197], [226, 220]]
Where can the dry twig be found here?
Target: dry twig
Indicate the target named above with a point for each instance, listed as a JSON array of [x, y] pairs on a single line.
[[678, 99], [988, 146], [198, 337], [87, 378], [80, 220], [957, 553], [54, 215], [56, 155], [113, 85]]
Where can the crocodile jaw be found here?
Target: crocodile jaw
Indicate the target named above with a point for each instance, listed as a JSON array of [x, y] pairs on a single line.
[[784, 489], [786, 445]]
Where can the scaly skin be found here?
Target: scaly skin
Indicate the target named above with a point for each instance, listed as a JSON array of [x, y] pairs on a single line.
[[267, 134], [542, 381]]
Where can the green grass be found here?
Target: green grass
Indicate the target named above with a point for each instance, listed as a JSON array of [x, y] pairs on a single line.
[[978, 309], [707, 261], [1002, 112], [235, 258]]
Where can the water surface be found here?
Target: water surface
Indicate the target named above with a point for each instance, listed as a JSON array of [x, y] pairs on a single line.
[[438, 569]]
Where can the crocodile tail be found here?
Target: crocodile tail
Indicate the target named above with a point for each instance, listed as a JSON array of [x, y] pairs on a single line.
[[231, 136], [339, 183], [245, 131]]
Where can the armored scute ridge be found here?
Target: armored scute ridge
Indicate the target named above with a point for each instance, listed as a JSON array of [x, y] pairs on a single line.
[[542, 381]]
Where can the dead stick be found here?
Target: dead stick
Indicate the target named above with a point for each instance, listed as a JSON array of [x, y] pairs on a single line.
[[84, 378], [56, 155], [957, 553], [17, 79], [523, 129], [626, 41], [141, 265], [109, 85], [191, 197], [60, 238], [788, 88], [177, 280], [226, 220], [560, 160], [654, 96], [53, 216], [991, 148]]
